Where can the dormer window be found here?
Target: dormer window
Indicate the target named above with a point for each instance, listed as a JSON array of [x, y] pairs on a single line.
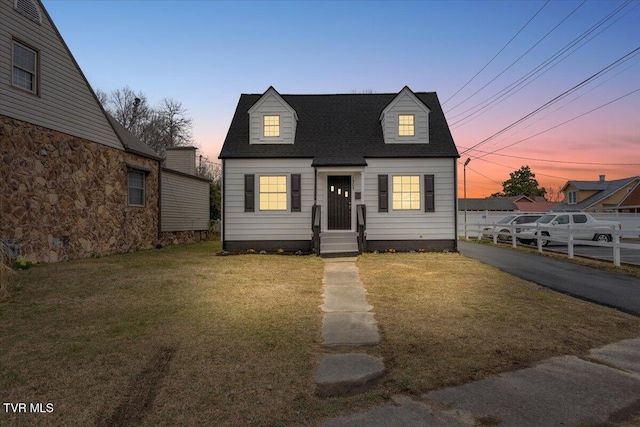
[[271, 126], [572, 197], [406, 125]]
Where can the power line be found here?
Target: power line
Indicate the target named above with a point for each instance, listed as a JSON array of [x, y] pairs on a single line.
[[554, 161], [496, 55], [563, 123], [554, 100], [521, 56], [529, 78]]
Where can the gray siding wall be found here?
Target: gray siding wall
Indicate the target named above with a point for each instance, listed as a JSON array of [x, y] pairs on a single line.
[[65, 103], [240, 225], [271, 105], [184, 202], [405, 105], [181, 160], [411, 225]]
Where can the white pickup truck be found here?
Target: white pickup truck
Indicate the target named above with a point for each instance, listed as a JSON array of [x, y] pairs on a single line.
[[557, 225]]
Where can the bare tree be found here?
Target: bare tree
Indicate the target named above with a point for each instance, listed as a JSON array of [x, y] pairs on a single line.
[[176, 126], [555, 194], [164, 126]]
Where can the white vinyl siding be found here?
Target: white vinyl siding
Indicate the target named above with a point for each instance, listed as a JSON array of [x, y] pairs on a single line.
[[271, 105], [184, 203], [405, 105], [411, 224], [266, 225], [64, 102], [181, 159]]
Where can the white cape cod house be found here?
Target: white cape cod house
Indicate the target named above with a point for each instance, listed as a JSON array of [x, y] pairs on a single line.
[[339, 173]]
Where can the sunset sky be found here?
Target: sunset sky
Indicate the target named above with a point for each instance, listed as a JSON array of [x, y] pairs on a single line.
[[582, 56]]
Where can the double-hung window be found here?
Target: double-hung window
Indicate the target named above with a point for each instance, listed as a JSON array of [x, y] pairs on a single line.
[[271, 126], [406, 125], [406, 192], [25, 67], [572, 196], [136, 187], [273, 193]]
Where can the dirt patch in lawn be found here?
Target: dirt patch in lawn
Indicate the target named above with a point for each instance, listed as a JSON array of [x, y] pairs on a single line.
[[141, 392]]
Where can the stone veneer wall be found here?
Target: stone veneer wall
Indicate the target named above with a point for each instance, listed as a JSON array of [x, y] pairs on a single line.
[[64, 197]]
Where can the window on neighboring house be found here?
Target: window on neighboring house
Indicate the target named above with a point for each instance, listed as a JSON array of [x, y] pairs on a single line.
[[406, 125], [273, 193], [406, 192], [271, 126], [25, 66], [136, 187], [573, 197]]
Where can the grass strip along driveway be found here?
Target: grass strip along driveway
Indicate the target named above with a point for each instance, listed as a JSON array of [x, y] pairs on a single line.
[[180, 336]]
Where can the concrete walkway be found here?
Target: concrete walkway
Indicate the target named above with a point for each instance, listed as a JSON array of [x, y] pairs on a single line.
[[596, 390], [347, 324]]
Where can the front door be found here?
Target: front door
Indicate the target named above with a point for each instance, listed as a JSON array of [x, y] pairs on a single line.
[[339, 203]]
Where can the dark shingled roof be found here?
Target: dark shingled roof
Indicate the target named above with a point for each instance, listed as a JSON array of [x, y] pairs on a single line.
[[130, 141], [339, 130]]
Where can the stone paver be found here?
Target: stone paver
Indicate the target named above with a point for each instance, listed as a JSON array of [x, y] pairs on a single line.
[[561, 391], [403, 412], [349, 329], [623, 355], [345, 374], [347, 321], [345, 299]]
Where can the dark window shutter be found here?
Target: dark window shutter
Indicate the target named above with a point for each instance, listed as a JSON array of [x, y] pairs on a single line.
[[296, 200], [429, 198], [383, 193], [249, 192]]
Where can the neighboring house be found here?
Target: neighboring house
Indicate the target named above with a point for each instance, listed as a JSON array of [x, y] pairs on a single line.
[[376, 169], [621, 195], [184, 212], [532, 203], [74, 183], [493, 204]]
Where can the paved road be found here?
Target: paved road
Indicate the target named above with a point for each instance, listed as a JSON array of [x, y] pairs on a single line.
[[603, 287]]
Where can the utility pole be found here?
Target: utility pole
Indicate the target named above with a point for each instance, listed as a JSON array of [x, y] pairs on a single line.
[[464, 168]]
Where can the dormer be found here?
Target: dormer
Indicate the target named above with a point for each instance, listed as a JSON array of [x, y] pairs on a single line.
[[272, 120], [405, 120]]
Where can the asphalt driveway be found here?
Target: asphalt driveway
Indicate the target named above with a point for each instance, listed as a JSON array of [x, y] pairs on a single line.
[[603, 287]]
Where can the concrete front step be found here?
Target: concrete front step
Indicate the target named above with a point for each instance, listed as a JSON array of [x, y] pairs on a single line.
[[338, 243], [347, 374]]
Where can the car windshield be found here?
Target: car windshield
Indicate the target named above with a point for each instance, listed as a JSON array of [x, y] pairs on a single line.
[[506, 220], [545, 219]]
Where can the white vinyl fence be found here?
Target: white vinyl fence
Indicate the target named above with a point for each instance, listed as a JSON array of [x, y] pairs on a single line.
[[478, 222]]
